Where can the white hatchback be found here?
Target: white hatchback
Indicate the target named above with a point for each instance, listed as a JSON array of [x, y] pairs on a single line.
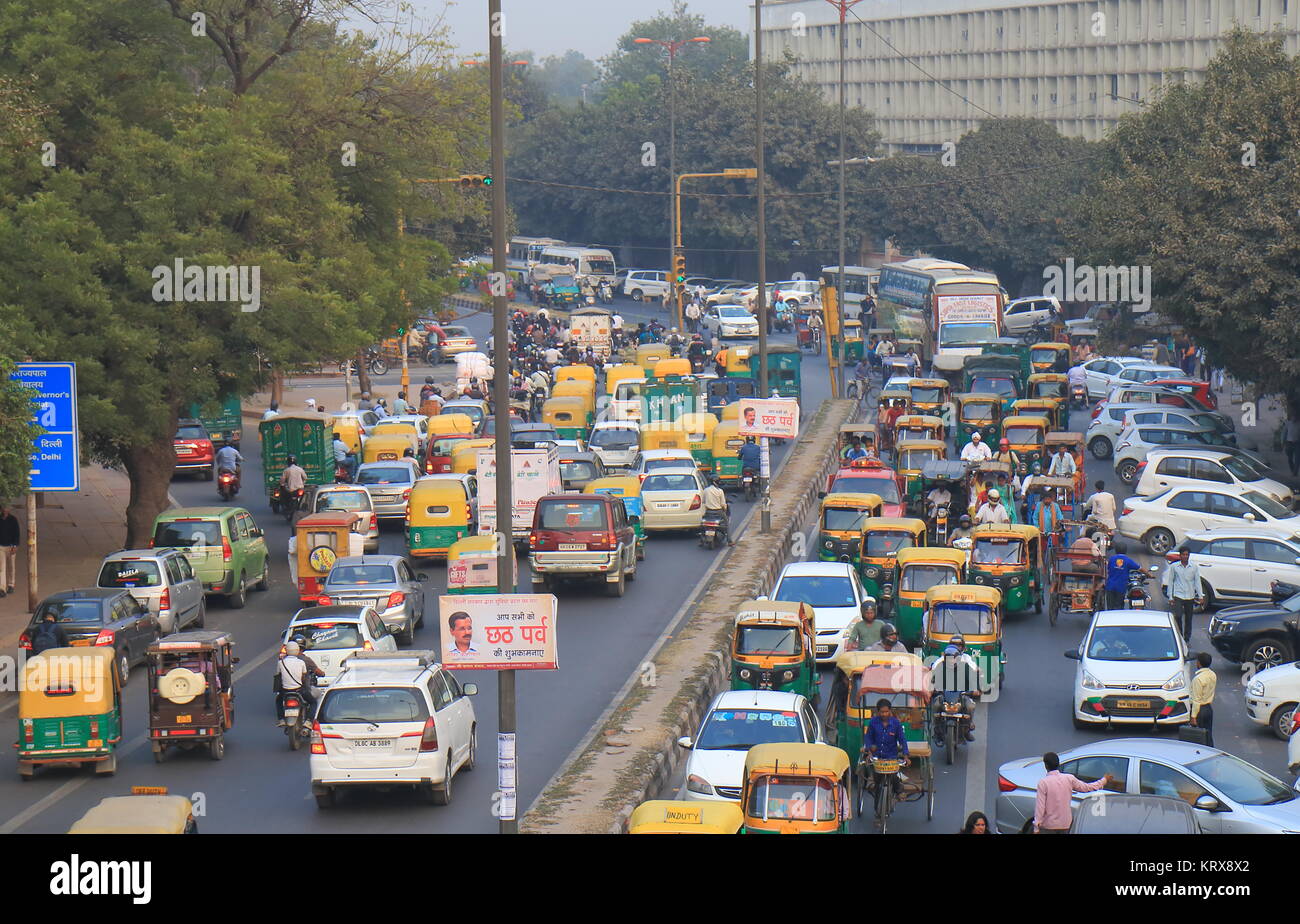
[[1208, 467], [334, 632], [1103, 373], [672, 498], [393, 720], [1132, 671], [1241, 562], [834, 592]]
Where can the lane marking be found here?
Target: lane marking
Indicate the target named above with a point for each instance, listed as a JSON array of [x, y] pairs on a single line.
[[977, 755]]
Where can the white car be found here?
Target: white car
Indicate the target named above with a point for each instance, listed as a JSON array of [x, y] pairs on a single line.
[[672, 498], [1103, 373], [834, 592], [393, 720], [1162, 521], [1241, 562], [794, 293], [1132, 671], [1022, 314], [616, 442], [348, 497], [645, 284], [1293, 744], [1104, 430], [736, 721], [1146, 372], [1208, 467], [651, 460], [1159, 415], [729, 321], [334, 632], [1272, 696]]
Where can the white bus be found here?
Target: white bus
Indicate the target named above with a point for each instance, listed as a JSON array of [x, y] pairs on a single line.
[[526, 251], [859, 282], [595, 262], [947, 306]]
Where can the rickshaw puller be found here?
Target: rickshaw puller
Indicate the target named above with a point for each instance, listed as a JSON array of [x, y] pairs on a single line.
[[886, 739]]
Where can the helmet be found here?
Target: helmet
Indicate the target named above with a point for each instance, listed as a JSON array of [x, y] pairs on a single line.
[[292, 460], [951, 651], [888, 629], [292, 648], [975, 437], [965, 518], [957, 640], [428, 380], [300, 639], [994, 494], [1004, 443]]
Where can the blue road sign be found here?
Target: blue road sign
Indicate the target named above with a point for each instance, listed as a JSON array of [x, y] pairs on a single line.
[[56, 462]]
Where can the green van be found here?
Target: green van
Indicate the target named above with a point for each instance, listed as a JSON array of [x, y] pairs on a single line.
[[224, 546]]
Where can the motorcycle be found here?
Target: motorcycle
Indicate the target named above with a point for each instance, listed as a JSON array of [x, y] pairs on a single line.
[[606, 293], [1100, 536], [228, 485], [713, 529], [784, 319], [374, 362], [297, 723], [1136, 596], [342, 473], [940, 520], [749, 483], [286, 502], [951, 722], [1079, 397]]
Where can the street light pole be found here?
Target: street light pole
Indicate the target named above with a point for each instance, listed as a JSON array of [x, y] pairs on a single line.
[[765, 519]]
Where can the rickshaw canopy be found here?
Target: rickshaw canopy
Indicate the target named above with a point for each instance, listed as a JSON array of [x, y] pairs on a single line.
[[911, 679], [649, 354], [64, 682], [983, 407], [621, 373], [1069, 440], [464, 457], [932, 555], [727, 438], [1006, 530], [665, 816], [620, 486], [382, 447], [730, 412], [855, 662], [580, 372], [847, 500], [795, 759], [450, 425], [673, 365], [1040, 483], [943, 470], [152, 814], [964, 593]]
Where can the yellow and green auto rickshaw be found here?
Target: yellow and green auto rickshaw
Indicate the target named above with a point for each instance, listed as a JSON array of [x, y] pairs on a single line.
[[975, 613], [796, 788], [699, 428], [726, 452], [70, 710], [648, 356], [839, 537], [472, 566], [663, 435], [773, 647], [438, 512], [464, 456], [584, 391], [1026, 436], [862, 434], [978, 413], [729, 412], [628, 488], [918, 427], [666, 816], [737, 365], [677, 366], [568, 415], [918, 570], [148, 810], [387, 447], [882, 539], [910, 456], [1008, 557], [899, 676], [623, 372], [1048, 385], [580, 372], [1056, 412], [397, 428], [1050, 357], [930, 396]]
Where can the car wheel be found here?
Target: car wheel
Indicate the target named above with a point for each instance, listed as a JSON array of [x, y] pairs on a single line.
[[1078, 723], [1266, 653], [1100, 447], [203, 614], [1280, 721], [1207, 599], [1159, 541], [636, 295], [1127, 471], [239, 596], [324, 798], [123, 667], [631, 572], [617, 588], [264, 583], [471, 760], [442, 794]]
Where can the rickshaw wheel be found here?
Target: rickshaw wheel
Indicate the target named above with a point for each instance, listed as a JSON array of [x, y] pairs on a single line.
[[217, 747], [1038, 603], [26, 774], [159, 753], [929, 791], [1054, 608]]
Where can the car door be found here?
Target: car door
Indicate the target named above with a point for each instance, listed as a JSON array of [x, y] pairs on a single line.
[[1209, 470], [186, 601], [1098, 373], [131, 618], [1148, 418], [1226, 510], [1171, 470], [412, 588], [255, 545], [1091, 768], [1157, 779], [192, 580], [1190, 511], [1227, 567], [449, 728], [1273, 561]]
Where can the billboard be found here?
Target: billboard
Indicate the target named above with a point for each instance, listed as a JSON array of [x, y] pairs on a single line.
[[497, 632], [774, 417]]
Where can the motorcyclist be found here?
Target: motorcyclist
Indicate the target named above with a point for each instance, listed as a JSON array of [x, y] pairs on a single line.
[[296, 673], [715, 502], [343, 455], [1005, 454], [293, 478], [229, 460], [888, 639], [957, 672], [1078, 376], [697, 351], [674, 342], [992, 510], [963, 530], [751, 457]]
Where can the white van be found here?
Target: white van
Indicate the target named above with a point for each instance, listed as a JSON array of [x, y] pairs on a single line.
[[594, 262], [644, 284]]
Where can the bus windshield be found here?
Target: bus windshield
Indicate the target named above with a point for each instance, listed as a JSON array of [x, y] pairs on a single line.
[[601, 266], [967, 332]]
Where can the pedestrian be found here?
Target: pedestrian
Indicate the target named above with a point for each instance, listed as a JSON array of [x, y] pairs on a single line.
[[8, 550], [1118, 568], [272, 411], [976, 823], [665, 297], [866, 631], [1182, 584], [1204, 682], [1291, 437], [693, 316], [49, 634], [1052, 813], [400, 406]]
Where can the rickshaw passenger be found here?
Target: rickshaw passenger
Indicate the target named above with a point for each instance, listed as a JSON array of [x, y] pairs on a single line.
[[855, 450], [1083, 555], [1006, 492]]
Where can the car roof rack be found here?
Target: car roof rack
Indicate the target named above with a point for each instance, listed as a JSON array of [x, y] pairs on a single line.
[[410, 657]]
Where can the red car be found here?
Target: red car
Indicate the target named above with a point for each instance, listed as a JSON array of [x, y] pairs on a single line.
[[194, 452], [867, 476], [1194, 388]]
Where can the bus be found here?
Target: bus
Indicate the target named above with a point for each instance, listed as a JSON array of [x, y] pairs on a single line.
[[946, 306], [859, 282], [595, 262], [526, 251]]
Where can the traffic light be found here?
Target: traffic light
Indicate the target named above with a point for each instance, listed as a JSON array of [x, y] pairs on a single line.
[[679, 268], [475, 180]]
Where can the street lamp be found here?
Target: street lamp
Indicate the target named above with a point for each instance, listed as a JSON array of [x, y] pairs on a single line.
[[672, 47]]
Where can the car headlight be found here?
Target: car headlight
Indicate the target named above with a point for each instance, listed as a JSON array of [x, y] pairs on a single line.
[[744, 673], [699, 784], [1092, 683], [1256, 688], [1223, 627], [1176, 682]]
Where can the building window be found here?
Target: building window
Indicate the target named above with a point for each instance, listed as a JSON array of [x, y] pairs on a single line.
[[1034, 98], [1207, 10], [1114, 84], [1259, 4], [1160, 12], [1092, 97], [859, 43], [1053, 97]]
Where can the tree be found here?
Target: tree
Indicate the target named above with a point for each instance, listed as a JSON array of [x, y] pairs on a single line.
[[1201, 186], [564, 78], [727, 51]]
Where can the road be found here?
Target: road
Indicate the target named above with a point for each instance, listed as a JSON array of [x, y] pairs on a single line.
[[263, 787]]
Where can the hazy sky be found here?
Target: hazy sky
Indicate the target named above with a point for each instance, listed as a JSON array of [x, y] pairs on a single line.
[[550, 27]]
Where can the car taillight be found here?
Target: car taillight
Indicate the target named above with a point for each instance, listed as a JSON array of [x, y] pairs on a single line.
[[1126, 511], [1096, 412], [323, 600], [408, 514], [1141, 465], [368, 646], [395, 599], [1005, 785], [428, 468], [317, 743], [106, 637], [429, 737], [532, 541], [695, 502], [374, 521], [406, 494], [25, 642], [165, 601]]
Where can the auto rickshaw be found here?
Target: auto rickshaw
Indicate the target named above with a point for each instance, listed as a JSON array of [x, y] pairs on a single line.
[[980, 413], [148, 810], [320, 540], [665, 816], [882, 539], [930, 396], [580, 372], [623, 372], [673, 366], [773, 647], [629, 489], [1073, 443], [891, 404], [949, 474], [387, 447], [648, 356], [191, 691], [396, 428], [472, 566], [842, 517], [1050, 357], [866, 433], [854, 344], [1026, 437], [726, 452], [437, 514], [1056, 412], [796, 788], [993, 374], [464, 456], [438, 452], [699, 430], [663, 436], [70, 710], [918, 427], [910, 457], [975, 613], [1048, 385], [920, 569], [568, 414], [1008, 557], [350, 430], [581, 389], [847, 714]]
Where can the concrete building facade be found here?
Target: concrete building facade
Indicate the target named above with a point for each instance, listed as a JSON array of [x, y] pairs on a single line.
[[931, 70]]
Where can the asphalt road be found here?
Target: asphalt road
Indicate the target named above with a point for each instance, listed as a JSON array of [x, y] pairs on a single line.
[[263, 787]]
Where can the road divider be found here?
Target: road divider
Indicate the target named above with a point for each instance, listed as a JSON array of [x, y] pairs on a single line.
[[634, 755]]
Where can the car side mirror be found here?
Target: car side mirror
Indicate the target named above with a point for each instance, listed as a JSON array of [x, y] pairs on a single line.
[[234, 660], [685, 742], [470, 689], [1249, 517], [1154, 569], [421, 576], [1073, 655], [258, 534], [761, 597], [821, 495], [1207, 803]]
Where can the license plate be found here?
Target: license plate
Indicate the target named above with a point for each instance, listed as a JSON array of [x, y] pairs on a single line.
[[665, 506], [291, 713], [184, 719], [371, 743], [95, 743], [823, 649], [1131, 704], [81, 642], [573, 546]]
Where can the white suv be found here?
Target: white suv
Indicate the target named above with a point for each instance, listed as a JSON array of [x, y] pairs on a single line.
[[1206, 468], [1241, 562], [644, 284], [1132, 670], [393, 719]]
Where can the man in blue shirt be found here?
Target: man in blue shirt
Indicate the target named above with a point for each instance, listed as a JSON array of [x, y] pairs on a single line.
[[751, 457], [885, 737], [1117, 572]]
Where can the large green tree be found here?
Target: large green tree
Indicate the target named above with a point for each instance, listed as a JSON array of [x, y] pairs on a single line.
[[726, 51]]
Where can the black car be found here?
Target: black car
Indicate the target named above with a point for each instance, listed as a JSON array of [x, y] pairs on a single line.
[[100, 617], [1265, 634], [1124, 814]]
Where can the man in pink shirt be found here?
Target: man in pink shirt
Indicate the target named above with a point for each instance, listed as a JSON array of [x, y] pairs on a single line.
[[1052, 813]]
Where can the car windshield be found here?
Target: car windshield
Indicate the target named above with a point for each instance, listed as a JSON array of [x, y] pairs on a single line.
[[384, 475], [574, 514], [740, 730], [614, 439], [577, 471], [329, 635], [184, 534], [600, 266], [1271, 507], [920, 578], [882, 544], [1049, 390], [652, 464], [1243, 469], [816, 590], [926, 394], [1133, 643], [71, 612], [793, 799], [371, 705], [885, 488], [191, 433], [994, 385], [343, 500], [1241, 782], [360, 574], [768, 640], [1023, 436], [842, 520], [999, 551], [727, 311], [130, 574]]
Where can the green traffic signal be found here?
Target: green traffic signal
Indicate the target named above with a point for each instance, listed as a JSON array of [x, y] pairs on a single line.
[[487, 181]]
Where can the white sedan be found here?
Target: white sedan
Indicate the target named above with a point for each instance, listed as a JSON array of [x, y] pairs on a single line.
[[1163, 521], [672, 498], [1132, 670], [1103, 373], [1272, 696], [834, 592], [727, 321]]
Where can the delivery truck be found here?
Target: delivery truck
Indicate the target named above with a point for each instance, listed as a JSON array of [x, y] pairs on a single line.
[[534, 474], [222, 418], [305, 438]]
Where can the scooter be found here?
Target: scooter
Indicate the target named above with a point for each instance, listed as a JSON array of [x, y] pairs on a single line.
[[606, 293], [228, 485], [1079, 397], [713, 529], [296, 724], [342, 473], [1136, 596], [286, 502], [749, 483], [951, 722]]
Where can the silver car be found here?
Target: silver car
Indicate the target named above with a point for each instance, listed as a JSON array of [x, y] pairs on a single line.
[[1135, 442], [389, 485], [1104, 430], [1229, 795], [348, 497], [160, 579], [384, 583]]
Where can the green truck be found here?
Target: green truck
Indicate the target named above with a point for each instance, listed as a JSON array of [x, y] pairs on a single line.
[[302, 437], [222, 418]]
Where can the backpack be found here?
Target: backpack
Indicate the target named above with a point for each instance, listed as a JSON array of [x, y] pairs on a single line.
[[45, 637]]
